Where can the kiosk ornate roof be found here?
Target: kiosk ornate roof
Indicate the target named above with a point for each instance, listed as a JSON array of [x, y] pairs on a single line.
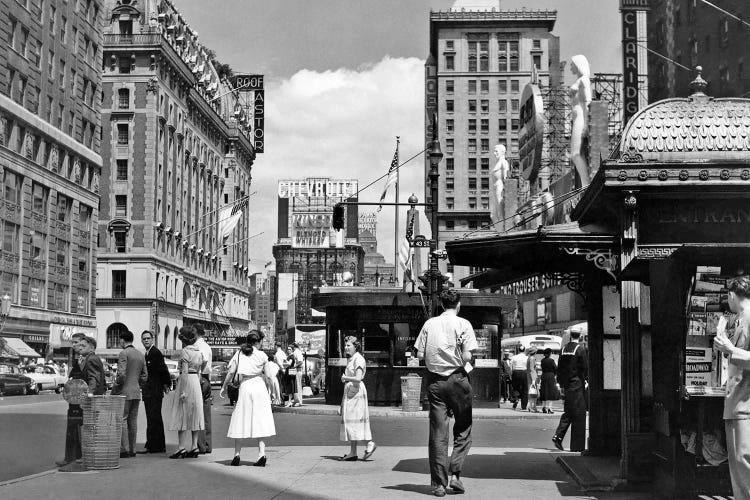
[[694, 129]]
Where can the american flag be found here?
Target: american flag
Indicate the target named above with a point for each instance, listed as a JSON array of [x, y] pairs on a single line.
[[392, 176], [229, 216], [405, 251]]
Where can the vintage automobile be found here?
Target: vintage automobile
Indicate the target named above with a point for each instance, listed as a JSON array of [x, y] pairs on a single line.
[[219, 370], [173, 371], [47, 377], [12, 381]]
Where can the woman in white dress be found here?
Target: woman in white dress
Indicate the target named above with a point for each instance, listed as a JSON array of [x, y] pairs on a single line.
[[252, 416], [355, 417], [187, 402]]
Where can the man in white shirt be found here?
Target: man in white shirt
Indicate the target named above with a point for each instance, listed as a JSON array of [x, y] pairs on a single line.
[[446, 343], [519, 377], [280, 358], [204, 436], [298, 366]]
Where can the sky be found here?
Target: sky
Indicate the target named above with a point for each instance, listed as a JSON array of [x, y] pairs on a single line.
[[343, 78]]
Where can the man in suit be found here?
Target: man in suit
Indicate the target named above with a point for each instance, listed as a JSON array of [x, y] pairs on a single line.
[[75, 413], [153, 390], [573, 375], [204, 436], [131, 374], [92, 368]]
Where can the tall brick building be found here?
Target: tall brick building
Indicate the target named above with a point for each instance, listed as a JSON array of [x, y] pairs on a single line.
[[176, 148], [50, 60], [695, 34], [479, 62]]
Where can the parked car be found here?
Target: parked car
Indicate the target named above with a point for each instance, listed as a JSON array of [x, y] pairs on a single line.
[[219, 370], [12, 381], [173, 373], [48, 377]]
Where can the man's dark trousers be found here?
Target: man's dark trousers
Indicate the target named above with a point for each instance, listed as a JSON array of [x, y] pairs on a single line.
[[154, 424], [73, 433], [204, 437], [520, 380], [446, 394], [574, 413]]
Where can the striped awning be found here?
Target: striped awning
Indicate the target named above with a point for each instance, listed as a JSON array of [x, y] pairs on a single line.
[[19, 348]]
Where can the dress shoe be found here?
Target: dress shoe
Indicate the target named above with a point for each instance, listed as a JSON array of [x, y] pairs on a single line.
[[558, 443], [457, 486], [235, 461], [192, 453], [368, 453], [349, 458], [261, 462], [126, 454], [179, 453], [439, 491]]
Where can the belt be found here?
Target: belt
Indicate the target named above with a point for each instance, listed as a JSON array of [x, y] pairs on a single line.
[[437, 376], [193, 372]]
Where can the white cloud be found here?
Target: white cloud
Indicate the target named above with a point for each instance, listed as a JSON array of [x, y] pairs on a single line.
[[341, 124]]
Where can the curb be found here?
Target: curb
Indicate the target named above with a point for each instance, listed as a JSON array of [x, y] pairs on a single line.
[[27, 478], [395, 413]]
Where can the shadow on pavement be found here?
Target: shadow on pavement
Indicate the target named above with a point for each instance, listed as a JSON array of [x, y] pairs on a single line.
[[414, 488], [31, 443], [530, 466]]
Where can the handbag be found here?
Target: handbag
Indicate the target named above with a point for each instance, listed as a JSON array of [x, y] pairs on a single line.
[[235, 382], [533, 391]]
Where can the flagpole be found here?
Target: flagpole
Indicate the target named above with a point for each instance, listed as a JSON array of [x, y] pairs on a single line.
[[395, 226]]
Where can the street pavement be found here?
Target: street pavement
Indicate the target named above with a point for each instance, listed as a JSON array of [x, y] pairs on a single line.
[[511, 457]]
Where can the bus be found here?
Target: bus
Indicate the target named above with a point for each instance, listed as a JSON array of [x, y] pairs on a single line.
[[513, 345]]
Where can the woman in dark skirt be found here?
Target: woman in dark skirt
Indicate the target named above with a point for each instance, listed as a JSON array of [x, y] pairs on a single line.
[[548, 391]]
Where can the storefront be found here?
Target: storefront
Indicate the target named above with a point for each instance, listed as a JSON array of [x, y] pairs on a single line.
[[388, 321]]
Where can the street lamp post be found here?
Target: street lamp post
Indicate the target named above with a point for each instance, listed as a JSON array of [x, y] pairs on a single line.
[[436, 155]]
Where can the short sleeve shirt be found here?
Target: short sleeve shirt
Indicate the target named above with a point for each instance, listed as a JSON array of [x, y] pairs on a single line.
[[443, 339], [251, 365], [205, 349]]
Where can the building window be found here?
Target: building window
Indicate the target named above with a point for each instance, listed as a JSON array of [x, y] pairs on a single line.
[[485, 126], [514, 86], [123, 98], [472, 224], [122, 170], [450, 225], [472, 86], [515, 124], [11, 188], [38, 246], [485, 145], [63, 28], [61, 73], [472, 182], [121, 206], [536, 44], [472, 105], [9, 286], [9, 237], [123, 65], [63, 208], [39, 195], [472, 164], [23, 42], [450, 62], [514, 105], [449, 164], [37, 293], [485, 105], [448, 126], [485, 86], [119, 284], [485, 203], [52, 12], [84, 217], [449, 105], [502, 106], [449, 86], [479, 55], [536, 60], [449, 45], [502, 86], [120, 241], [63, 248], [472, 202], [485, 183], [472, 126], [449, 145], [472, 145], [122, 134], [449, 203], [502, 124], [449, 184], [113, 333], [485, 164], [60, 297]]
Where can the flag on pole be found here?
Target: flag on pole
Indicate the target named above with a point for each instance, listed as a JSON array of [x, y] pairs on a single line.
[[405, 252], [229, 216], [391, 179]]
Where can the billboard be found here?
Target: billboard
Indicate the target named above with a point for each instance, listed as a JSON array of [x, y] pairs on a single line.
[[315, 230], [531, 134]]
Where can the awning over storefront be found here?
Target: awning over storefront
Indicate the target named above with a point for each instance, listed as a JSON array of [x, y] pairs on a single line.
[[19, 348], [547, 249]]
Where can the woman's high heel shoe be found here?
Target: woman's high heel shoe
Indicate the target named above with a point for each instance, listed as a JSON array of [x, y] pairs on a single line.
[[261, 462], [179, 453], [193, 453]]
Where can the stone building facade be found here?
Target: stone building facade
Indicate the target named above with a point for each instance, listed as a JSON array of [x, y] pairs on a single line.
[[50, 88], [478, 65], [176, 149]]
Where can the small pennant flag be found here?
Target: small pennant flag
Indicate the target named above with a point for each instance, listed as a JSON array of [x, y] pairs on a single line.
[[229, 216], [392, 176]]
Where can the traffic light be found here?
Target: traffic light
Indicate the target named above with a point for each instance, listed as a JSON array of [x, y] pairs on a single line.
[[446, 281], [425, 286], [338, 216]]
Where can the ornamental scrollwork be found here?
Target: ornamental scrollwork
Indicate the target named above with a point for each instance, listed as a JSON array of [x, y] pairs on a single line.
[[573, 281], [602, 258]]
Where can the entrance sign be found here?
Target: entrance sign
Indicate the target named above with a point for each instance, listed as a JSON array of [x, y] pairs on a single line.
[[694, 221]]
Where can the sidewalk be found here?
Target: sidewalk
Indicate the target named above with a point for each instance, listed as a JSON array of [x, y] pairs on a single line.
[[480, 411], [312, 472]]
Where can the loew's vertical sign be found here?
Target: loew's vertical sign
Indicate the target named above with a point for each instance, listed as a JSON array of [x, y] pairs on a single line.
[[254, 84], [629, 10]]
